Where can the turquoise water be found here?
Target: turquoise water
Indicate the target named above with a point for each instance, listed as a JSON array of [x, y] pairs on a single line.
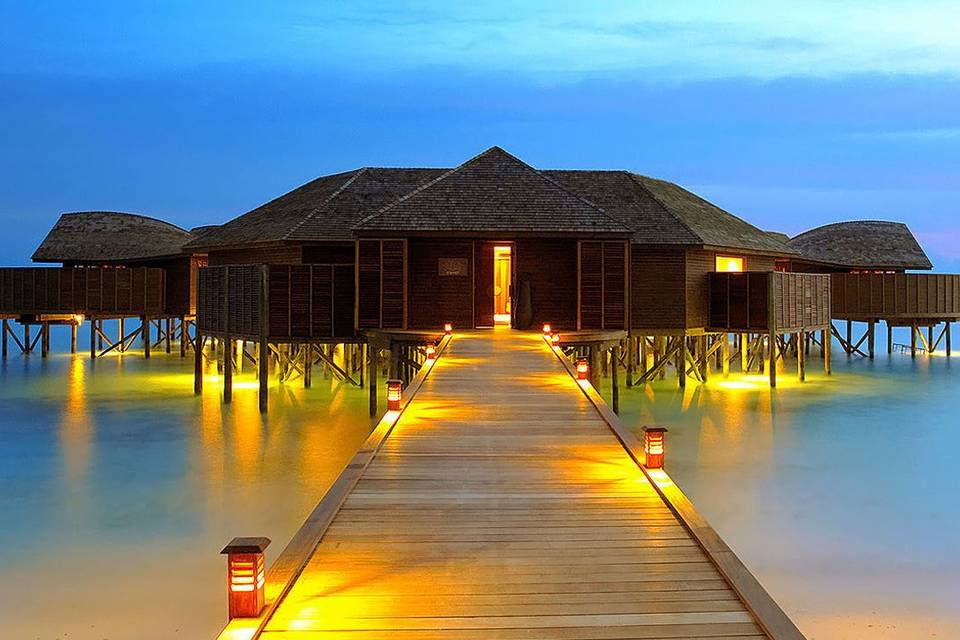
[[120, 488], [840, 494]]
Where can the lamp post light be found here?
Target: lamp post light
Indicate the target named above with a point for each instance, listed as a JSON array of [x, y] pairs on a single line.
[[654, 446], [245, 576], [394, 391]]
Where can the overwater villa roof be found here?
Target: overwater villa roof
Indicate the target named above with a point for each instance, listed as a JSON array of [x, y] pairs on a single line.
[[493, 192], [324, 209], [110, 236], [661, 212], [863, 244]]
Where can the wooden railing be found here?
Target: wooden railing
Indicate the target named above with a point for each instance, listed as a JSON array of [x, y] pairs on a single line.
[[302, 302], [761, 301], [893, 296], [93, 291]]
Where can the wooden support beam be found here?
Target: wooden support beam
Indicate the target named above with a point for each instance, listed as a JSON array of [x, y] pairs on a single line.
[[614, 362], [228, 348], [826, 343], [145, 323], [871, 342], [73, 337], [263, 361], [307, 350], [949, 341], [373, 364], [44, 339], [120, 337], [28, 346], [802, 358], [631, 355], [913, 340], [197, 364], [889, 338], [183, 337], [93, 339], [361, 371], [6, 330], [704, 357], [682, 357], [725, 354], [849, 340], [930, 340]]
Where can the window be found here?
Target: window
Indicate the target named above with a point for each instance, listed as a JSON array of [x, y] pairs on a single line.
[[729, 264]]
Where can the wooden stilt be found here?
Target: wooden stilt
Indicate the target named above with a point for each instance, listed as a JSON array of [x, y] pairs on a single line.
[[615, 384], [704, 359], [871, 339], [6, 330], [373, 363], [263, 362], [930, 340], [949, 341], [394, 360], [725, 354], [682, 361], [307, 365], [183, 337], [27, 345], [849, 345], [827, 346], [362, 371], [100, 335], [198, 365], [889, 338], [228, 349], [744, 353], [121, 348], [631, 353], [145, 322], [93, 339], [802, 358], [167, 334], [44, 339], [913, 340]]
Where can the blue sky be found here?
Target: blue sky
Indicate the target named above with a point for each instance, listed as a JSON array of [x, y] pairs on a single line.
[[197, 111]]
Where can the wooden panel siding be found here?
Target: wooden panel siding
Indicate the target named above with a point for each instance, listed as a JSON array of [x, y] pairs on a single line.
[[434, 298], [305, 301], [591, 285], [658, 294], [368, 284], [281, 254], [86, 291], [741, 301], [895, 296], [549, 268], [603, 280], [394, 284], [614, 285], [381, 284], [699, 266], [329, 253]]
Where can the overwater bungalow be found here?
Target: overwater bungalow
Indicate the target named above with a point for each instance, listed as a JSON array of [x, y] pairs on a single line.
[[873, 267], [114, 266], [388, 256]]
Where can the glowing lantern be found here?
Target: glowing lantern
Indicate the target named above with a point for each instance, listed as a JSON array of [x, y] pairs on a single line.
[[431, 352], [448, 329], [245, 576], [547, 330], [583, 369], [555, 339], [394, 390], [654, 446]]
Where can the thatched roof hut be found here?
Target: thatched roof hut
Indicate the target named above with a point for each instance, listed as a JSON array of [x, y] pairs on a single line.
[[863, 244], [108, 237]]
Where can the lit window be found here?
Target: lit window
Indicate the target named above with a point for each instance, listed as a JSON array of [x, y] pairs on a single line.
[[729, 264]]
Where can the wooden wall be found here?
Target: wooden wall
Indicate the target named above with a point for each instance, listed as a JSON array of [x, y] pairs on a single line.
[[434, 297], [84, 290], [281, 254], [549, 266], [305, 301], [381, 276], [740, 302], [339, 253], [658, 299], [908, 296], [603, 281]]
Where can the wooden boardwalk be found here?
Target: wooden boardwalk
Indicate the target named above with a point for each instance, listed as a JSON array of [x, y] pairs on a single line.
[[502, 506]]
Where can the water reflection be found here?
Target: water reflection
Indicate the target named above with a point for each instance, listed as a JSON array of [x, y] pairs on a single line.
[[120, 487]]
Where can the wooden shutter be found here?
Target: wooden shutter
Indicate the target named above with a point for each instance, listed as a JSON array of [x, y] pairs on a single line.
[[394, 284], [368, 279], [591, 285], [614, 285]]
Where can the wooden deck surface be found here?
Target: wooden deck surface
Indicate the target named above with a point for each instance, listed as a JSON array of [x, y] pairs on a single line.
[[503, 507]]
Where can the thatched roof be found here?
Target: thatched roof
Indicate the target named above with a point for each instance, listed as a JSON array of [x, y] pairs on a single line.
[[864, 244], [110, 236], [661, 212], [493, 192]]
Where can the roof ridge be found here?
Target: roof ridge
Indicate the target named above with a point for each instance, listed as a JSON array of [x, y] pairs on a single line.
[[494, 148], [666, 209], [356, 174]]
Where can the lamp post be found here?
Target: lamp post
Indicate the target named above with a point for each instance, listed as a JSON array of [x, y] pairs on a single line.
[[583, 369], [394, 391], [245, 576], [654, 446]]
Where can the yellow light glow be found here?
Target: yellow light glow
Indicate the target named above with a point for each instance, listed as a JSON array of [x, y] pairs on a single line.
[[501, 317], [729, 264]]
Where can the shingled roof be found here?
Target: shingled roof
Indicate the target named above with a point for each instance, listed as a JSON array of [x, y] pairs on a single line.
[[493, 192], [863, 244], [661, 212], [323, 209], [110, 236]]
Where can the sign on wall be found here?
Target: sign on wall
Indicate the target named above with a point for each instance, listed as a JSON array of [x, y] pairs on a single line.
[[453, 267]]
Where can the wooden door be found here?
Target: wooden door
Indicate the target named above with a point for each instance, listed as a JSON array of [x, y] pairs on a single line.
[[483, 295]]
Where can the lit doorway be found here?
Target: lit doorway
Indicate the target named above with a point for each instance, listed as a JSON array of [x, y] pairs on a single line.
[[502, 269]]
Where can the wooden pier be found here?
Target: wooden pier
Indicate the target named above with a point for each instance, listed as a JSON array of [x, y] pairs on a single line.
[[505, 503]]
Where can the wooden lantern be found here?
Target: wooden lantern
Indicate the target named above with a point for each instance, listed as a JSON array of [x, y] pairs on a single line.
[[583, 369], [555, 339], [547, 330], [431, 352], [245, 576], [654, 446], [448, 329], [394, 390]]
